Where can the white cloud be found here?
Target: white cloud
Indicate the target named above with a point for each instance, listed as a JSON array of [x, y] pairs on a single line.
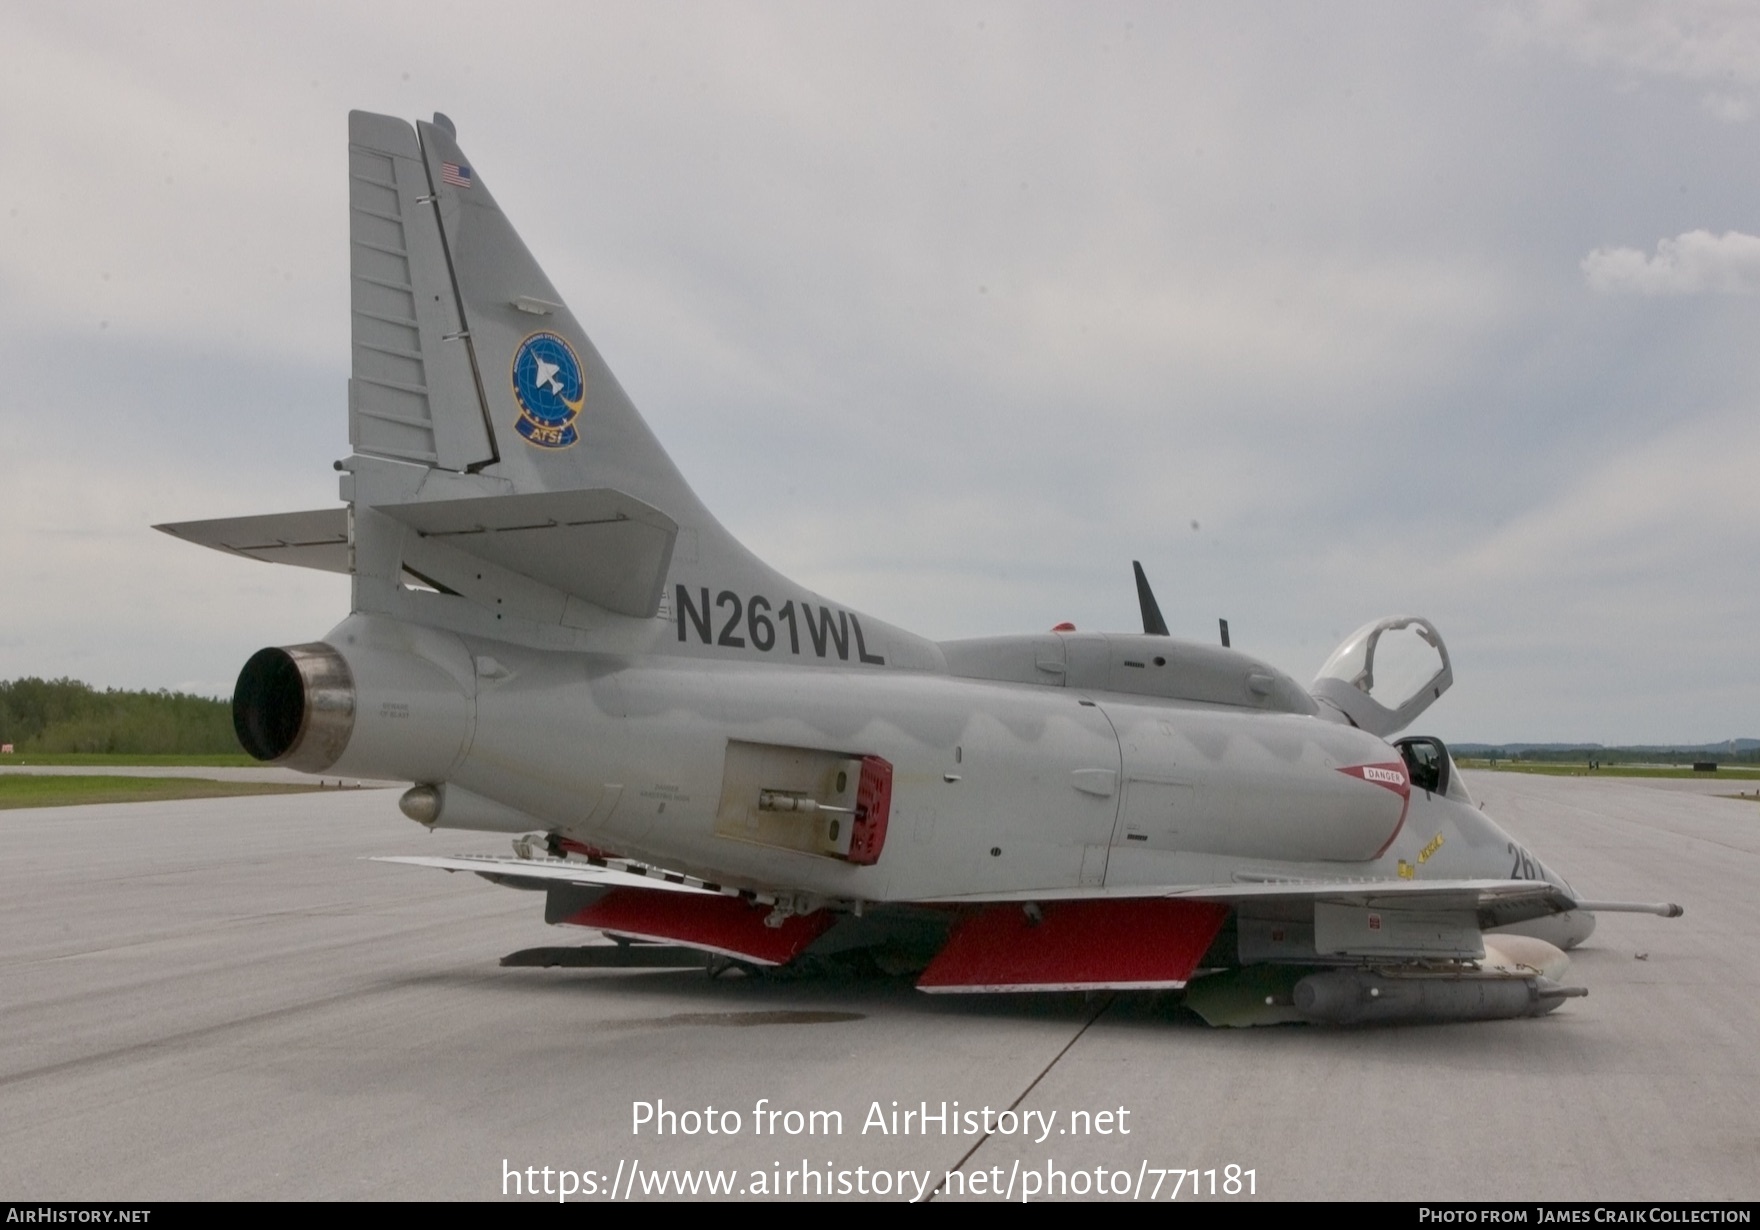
[[1710, 43], [1693, 263], [1674, 503]]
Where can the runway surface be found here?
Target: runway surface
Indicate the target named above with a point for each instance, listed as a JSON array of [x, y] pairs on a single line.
[[219, 999]]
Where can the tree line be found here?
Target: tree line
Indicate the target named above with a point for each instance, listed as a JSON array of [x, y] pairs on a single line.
[[66, 715], [1683, 756]]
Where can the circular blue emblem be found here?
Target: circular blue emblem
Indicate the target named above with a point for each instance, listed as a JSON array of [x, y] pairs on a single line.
[[550, 389]]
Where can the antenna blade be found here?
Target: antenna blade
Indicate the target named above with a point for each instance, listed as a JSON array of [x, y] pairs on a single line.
[[1153, 624], [1224, 624]]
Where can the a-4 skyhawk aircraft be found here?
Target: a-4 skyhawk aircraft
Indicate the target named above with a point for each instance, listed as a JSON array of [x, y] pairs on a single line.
[[551, 637]]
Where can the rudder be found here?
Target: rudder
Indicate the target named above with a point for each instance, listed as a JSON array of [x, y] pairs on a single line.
[[413, 392]]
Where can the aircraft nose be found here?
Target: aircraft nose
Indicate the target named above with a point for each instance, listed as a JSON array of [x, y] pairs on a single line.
[[1580, 925], [1563, 931], [1584, 921]]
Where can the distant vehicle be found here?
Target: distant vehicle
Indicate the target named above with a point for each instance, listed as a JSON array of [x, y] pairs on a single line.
[[551, 637]]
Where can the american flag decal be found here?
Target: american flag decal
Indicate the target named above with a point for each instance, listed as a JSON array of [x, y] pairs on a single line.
[[454, 174]]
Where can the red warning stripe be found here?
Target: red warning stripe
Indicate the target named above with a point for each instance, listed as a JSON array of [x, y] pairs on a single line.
[[1389, 775]]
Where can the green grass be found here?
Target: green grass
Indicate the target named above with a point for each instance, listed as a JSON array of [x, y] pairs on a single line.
[[1740, 773], [214, 760], [73, 790]]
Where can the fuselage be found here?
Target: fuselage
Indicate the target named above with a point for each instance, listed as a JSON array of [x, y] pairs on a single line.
[[998, 785]]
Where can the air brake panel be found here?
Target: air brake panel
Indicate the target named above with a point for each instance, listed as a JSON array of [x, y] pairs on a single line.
[[1129, 944], [796, 798], [730, 926]]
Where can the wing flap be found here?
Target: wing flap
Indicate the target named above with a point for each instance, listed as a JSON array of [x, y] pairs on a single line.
[[650, 904], [542, 872]]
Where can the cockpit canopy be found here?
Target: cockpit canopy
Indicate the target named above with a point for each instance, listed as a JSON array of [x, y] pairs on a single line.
[[1385, 674]]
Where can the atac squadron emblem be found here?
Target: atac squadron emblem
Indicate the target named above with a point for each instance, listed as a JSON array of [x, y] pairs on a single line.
[[548, 384]]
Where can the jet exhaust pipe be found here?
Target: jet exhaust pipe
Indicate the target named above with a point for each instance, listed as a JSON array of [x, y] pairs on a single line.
[[1358, 997], [379, 699], [295, 706]]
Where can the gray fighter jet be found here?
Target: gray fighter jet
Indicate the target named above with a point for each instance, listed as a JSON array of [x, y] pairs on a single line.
[[552, 638]]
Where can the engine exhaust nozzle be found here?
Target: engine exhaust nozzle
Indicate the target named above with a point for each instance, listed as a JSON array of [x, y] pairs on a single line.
[[295, 706]]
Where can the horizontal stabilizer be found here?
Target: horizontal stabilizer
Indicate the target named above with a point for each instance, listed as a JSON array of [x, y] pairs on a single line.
[[603, 546], [314, 539], [599, 545]]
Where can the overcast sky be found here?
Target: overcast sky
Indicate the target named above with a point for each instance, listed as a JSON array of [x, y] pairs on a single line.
[[950, 311]]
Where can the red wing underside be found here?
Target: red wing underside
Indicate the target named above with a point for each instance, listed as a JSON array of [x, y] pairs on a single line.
[[730, 926], [1136, 944]]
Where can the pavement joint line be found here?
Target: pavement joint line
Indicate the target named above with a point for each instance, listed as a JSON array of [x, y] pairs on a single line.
[[172, 1042], [1033, 1084], [205, 927]]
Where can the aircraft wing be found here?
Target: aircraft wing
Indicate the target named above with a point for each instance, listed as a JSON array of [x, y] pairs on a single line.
[[1060, 938], [1493, 903], [1391, 893], [1095, 937], [1517, 898]]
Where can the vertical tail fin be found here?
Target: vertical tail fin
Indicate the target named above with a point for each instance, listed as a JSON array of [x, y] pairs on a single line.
[[465, 357], [499, 460], [468, 368]]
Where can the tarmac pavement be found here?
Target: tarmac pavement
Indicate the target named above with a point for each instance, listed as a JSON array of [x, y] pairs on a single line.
[[220, 999]]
